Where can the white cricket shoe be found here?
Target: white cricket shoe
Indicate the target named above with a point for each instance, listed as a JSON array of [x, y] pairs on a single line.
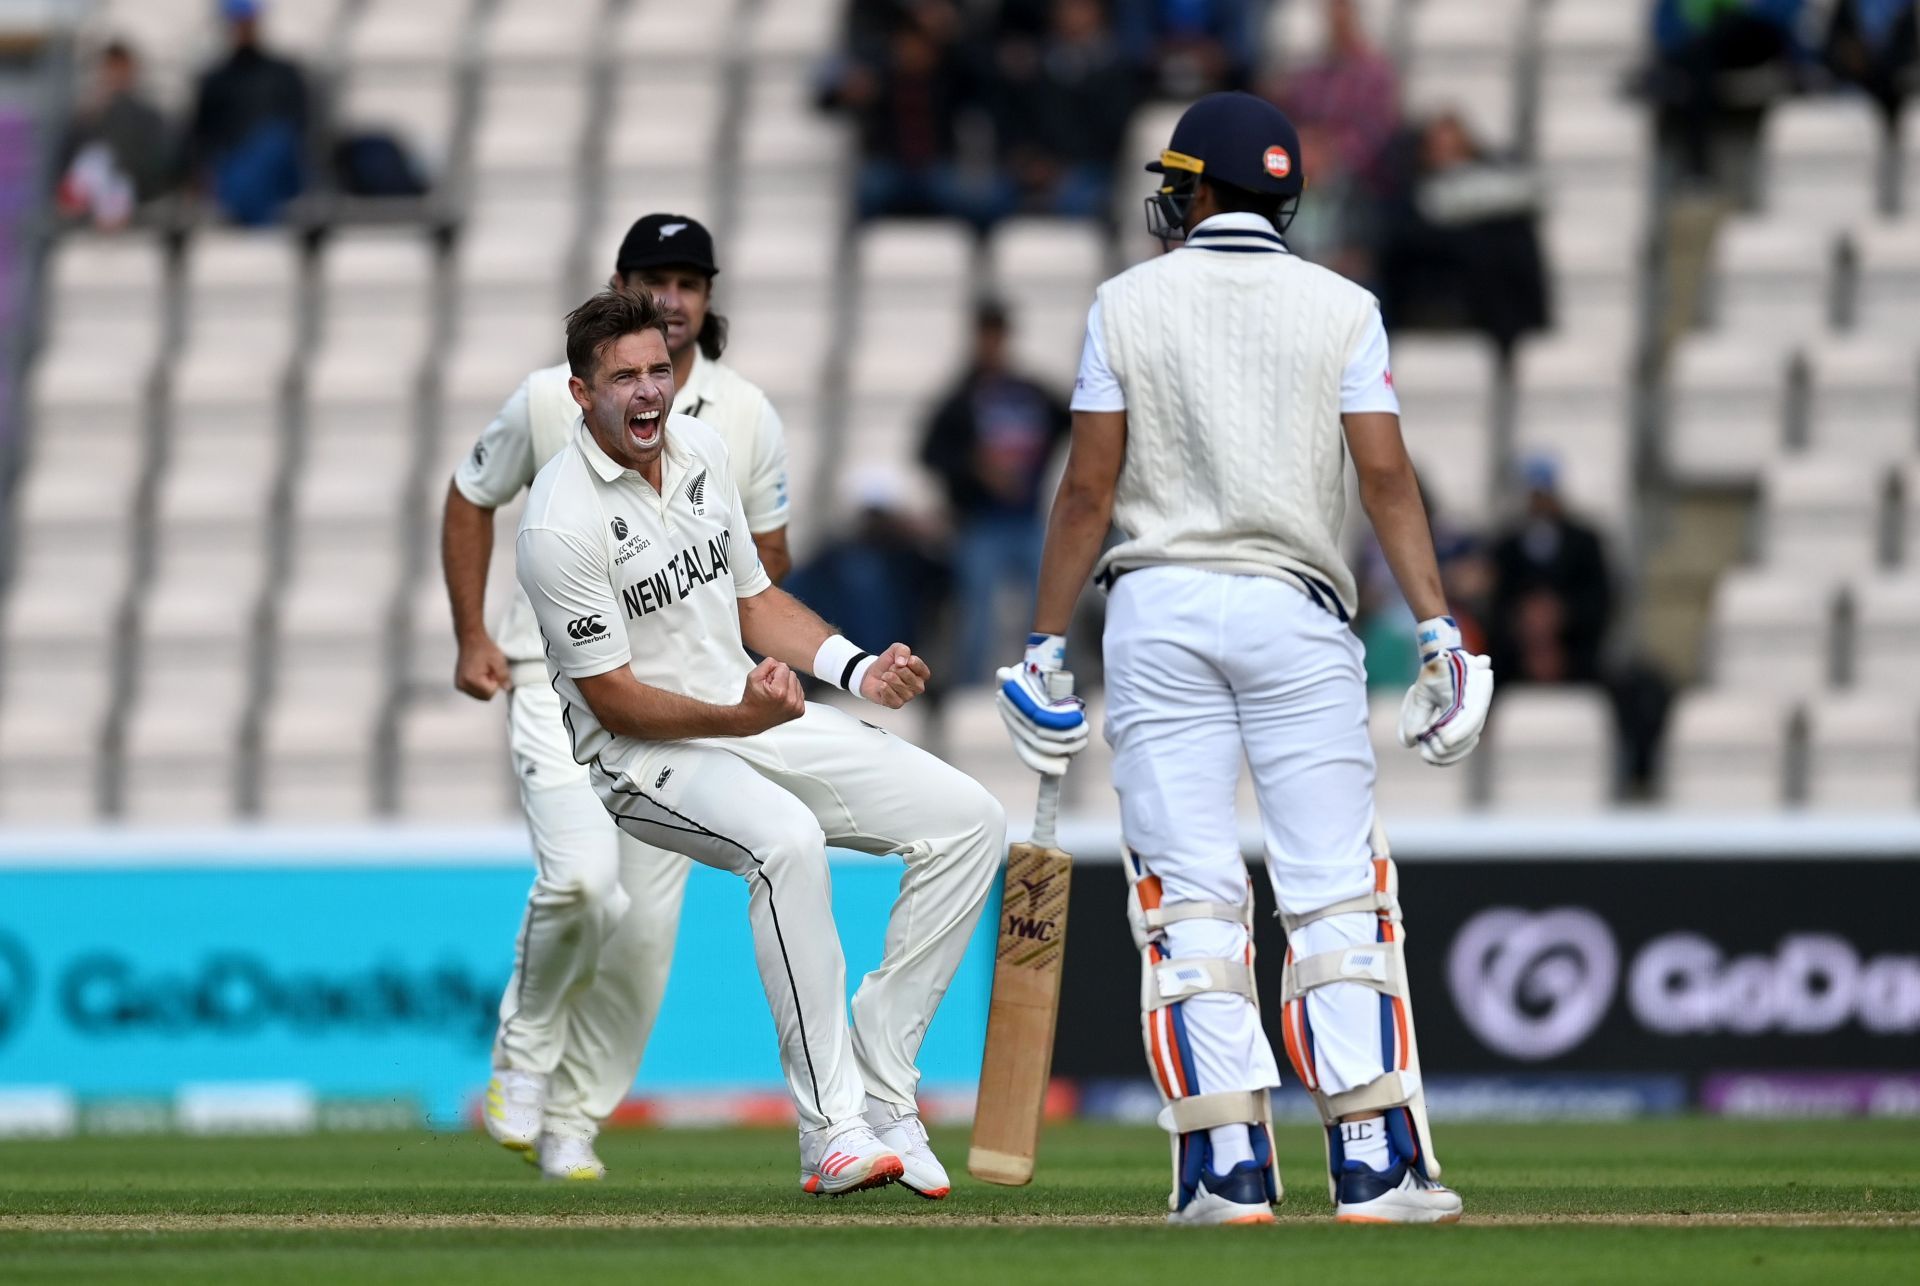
[[901, 1129], [839, 1159], [565, 1155], [513, 1106], [1398, 1195], [1237, 1197]]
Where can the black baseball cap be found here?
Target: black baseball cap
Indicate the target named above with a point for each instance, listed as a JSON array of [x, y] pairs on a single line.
[[662, 240], [1237, 139]]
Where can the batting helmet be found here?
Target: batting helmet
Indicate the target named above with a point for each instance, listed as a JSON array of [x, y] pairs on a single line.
[[1231, 138]]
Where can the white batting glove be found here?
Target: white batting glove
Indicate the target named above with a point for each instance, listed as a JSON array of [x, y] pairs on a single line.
[[1446, 708], [1046, 733]]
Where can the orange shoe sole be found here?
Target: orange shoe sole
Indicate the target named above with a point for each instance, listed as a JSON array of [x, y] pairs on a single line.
[[882, 1175]]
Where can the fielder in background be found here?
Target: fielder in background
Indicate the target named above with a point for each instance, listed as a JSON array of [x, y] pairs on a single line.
[[635, 553], [1221, 388], [595, 946]]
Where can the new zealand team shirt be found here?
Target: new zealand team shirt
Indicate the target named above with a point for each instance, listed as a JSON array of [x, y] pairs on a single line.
[[619, 574]]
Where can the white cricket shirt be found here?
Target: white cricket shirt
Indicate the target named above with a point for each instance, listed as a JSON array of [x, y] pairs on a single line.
[[1234, 361], [541, 416], [620, 574]]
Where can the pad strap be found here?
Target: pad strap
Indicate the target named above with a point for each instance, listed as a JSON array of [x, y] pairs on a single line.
[[1171, 981], [1379, 965], [1223, 1107], [1173, 912], [1372, 903], [1395, 1089]]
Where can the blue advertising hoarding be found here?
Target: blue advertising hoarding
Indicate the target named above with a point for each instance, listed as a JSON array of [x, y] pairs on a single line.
[[367, 969]]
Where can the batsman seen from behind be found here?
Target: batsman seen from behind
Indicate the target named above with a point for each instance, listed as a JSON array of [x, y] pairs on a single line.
[[636, 554], [1222, 387]]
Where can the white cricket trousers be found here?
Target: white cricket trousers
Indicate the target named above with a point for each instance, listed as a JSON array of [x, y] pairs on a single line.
[[1204, 668], [596, 942], [765, 808]]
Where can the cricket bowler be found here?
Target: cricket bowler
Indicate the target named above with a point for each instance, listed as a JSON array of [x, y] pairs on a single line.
[[1222, 388], [636, 554], [596, 942]]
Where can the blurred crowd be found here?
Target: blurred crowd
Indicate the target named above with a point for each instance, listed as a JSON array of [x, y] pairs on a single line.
[[251, 143]]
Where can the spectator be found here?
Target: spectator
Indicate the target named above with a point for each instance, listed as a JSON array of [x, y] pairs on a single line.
[[1875, 44], [990, 442], [1352, 94], [1064, 110], [909, 99], [1698, 44], [880, 581], [1552, 592], [115, 156], [1460, 246], [248, 137], [1186, 48]]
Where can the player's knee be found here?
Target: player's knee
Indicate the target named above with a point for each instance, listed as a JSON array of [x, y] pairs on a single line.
[[590, 885], [799, 841]]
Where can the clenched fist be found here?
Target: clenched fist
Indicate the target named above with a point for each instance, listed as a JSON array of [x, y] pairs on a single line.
[[772, 697], [896, 677]]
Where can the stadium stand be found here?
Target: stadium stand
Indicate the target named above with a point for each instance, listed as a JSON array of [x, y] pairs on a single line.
[[222, 571]]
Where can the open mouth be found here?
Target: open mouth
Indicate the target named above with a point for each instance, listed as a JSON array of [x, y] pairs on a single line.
[[644, 428]]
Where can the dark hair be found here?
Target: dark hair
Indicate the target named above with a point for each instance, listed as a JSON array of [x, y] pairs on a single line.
[[1239, 200], [713, 336], [117, 51], [610, 315]]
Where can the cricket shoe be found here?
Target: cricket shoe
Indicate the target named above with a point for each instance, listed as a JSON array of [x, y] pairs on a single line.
[[835, 1161], [514, 1103], [1400, 1194], [1240, 1196], [568, 1156], [901, 1129]]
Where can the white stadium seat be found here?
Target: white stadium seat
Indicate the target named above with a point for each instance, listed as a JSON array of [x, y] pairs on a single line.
[[548, 33], [409, 33], [1863, 397], [1887, 276], [415, 104], [1406, 785], [1821, 158], [1886, 633], [1821, 515], [1863, 753], [672, 32], [1772, 633], [453, 761], [1772, 279], [1550, 750], [1726, 408], [1726, 751], [1446, 390]]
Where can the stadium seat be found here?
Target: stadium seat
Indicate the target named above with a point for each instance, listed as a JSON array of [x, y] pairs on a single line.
[[1772, 633], [409, 33], [671, 32], [1405, 785], [973, 739], [1725, 415], [1572, 399], [1863, 753], [1726, 751], [1594, 260], [1549, 750], [1595, 159], [1863, 397], [1886, 301], [555, 34], [415, 104], [1446, 389], [1463, 55], [49, 763], [1772, 279], [1909, 145], [529, 134], [180, 760], [1886, 634], [316, 763], [1821, 158], [795, 32], [1821, 515], [1586, 50], [452, 763]]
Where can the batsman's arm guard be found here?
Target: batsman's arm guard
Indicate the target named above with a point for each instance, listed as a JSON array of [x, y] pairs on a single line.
[[1397, 1093], [1165, 981]]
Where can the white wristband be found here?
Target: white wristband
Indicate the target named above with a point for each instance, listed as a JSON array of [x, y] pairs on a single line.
[[840, 663]]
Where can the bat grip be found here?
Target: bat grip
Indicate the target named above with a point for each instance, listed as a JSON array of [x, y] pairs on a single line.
[[1046, 812]]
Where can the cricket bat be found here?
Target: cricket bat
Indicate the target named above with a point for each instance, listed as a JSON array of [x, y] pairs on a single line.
[[1026, 994]]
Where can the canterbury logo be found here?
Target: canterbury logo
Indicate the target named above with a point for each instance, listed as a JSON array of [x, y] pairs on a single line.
[[582, 628], [697, 493], [837, 1163]]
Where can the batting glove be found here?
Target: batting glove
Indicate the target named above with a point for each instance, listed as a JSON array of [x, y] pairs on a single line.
[[1446, 708], [1046, 733]]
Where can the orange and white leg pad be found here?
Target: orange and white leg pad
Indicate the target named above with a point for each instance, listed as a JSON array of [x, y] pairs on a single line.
[[1166, 981], [1381, 966]]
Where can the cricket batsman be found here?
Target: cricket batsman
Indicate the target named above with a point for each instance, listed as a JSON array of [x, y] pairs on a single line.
[[596, 943], [1222, 388], [636, 553]]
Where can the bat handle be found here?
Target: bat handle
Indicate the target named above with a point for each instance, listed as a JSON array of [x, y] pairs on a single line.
[[1046, 811]]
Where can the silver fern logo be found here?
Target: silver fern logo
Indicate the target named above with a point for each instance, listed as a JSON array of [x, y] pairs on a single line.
[[697, 494]]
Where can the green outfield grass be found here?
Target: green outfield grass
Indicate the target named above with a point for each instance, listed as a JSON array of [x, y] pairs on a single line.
[[1690, 1201]]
